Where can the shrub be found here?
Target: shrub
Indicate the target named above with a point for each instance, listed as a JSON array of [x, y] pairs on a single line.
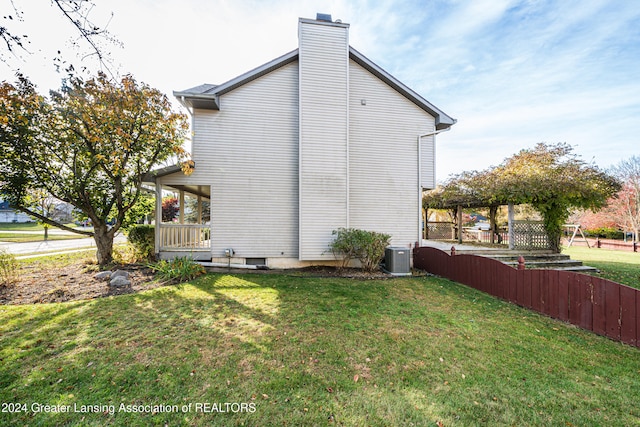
[[366, 246], [142, 237], [8, 267], [127, 254], [605, 232], [180, 269]]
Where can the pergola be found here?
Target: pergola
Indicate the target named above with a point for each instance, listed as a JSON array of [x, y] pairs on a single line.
[[457, 201]]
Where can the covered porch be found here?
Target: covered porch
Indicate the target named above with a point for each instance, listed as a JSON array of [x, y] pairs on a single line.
[[182, 217]]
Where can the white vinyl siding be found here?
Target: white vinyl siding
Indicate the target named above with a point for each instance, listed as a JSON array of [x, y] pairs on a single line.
[[323, 62], [428, 162], [248, 152], [383, 164]]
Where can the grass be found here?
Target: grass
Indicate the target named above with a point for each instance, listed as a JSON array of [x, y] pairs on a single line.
[[619, 266], [24, 238], [21, 226], [26, 226], [59, 260], [14, 233], [312, 351]]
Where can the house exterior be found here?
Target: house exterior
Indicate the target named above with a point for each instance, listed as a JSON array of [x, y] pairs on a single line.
[[317, 139], [8, 214]]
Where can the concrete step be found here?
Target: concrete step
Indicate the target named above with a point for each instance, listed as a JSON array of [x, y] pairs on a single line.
[[566, 264], [533, 259], [529, 258]]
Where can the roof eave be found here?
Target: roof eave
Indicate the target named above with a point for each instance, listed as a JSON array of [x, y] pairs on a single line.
[[209, 100], [205, 101], [153, 175]]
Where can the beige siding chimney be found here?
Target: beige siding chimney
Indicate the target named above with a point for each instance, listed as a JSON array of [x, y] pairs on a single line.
[[324, 134]]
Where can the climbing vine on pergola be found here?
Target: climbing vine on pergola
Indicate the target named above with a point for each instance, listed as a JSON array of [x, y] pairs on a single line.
[[551, 178]]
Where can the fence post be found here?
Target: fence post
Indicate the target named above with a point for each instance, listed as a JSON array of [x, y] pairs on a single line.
[[453, 251], [520, 262], [635, 246], [598, 242]]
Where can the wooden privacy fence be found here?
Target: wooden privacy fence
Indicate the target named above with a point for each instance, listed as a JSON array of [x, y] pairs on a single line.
[[602, 306]]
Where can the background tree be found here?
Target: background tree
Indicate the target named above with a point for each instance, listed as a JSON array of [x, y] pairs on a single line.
[[42, 202], [89, 145], [191, 210], [170, 209], [139, 212], [626, 209]]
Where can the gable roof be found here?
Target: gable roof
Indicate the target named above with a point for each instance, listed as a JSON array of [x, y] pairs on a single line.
[[206, 96]]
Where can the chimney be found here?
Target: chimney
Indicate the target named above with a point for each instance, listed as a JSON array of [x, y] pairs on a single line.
[[323, 68]]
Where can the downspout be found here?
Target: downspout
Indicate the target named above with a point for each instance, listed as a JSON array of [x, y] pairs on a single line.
[[435, 132]]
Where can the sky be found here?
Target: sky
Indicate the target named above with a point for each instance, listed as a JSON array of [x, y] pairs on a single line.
[[513, 73]]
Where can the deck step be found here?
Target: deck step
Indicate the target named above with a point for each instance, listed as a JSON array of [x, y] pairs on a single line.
[[534, 259]]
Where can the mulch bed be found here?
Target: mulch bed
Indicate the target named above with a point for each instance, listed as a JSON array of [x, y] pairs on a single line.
[[40, 284], [36, 284]]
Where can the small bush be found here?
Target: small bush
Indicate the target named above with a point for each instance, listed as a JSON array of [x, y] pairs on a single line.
[[8, 267], [605, 232], [142, 237], [127, 254], [180, 269], [366, 246]]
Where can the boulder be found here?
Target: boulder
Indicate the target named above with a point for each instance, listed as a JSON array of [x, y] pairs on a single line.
[[103, 275], [120, 282], [120, 273]]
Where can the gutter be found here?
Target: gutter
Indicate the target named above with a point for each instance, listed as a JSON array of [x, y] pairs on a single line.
[[435, 132]]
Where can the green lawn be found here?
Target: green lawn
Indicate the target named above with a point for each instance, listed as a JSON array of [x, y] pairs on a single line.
[[23, 238], [14, 232], [28, 226], [21, 226], [311, 351], [619, 266]]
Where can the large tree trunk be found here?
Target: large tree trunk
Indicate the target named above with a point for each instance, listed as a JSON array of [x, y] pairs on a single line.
[[104, 244]]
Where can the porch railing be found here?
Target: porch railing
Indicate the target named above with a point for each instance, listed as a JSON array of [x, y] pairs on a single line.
[[185, 236]]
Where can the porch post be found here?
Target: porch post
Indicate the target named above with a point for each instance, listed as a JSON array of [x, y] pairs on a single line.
[[199, 209], [158, 216], [181, 219]]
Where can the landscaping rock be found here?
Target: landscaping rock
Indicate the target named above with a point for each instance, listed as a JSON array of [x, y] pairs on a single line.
[[120, 282], [120, 273], [103, 275]]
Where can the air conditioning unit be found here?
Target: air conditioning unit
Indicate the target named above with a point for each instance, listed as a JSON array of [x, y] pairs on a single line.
[[397, 261]]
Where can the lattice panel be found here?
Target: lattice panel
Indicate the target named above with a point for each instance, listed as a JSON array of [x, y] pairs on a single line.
[[440, 231], [530, 235]]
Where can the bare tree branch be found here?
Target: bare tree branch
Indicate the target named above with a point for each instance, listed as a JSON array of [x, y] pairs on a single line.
[[76, 12]]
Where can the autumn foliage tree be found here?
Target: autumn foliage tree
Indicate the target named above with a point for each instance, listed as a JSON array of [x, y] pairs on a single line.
[[88, 145], [626, 209], [170, 209]]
